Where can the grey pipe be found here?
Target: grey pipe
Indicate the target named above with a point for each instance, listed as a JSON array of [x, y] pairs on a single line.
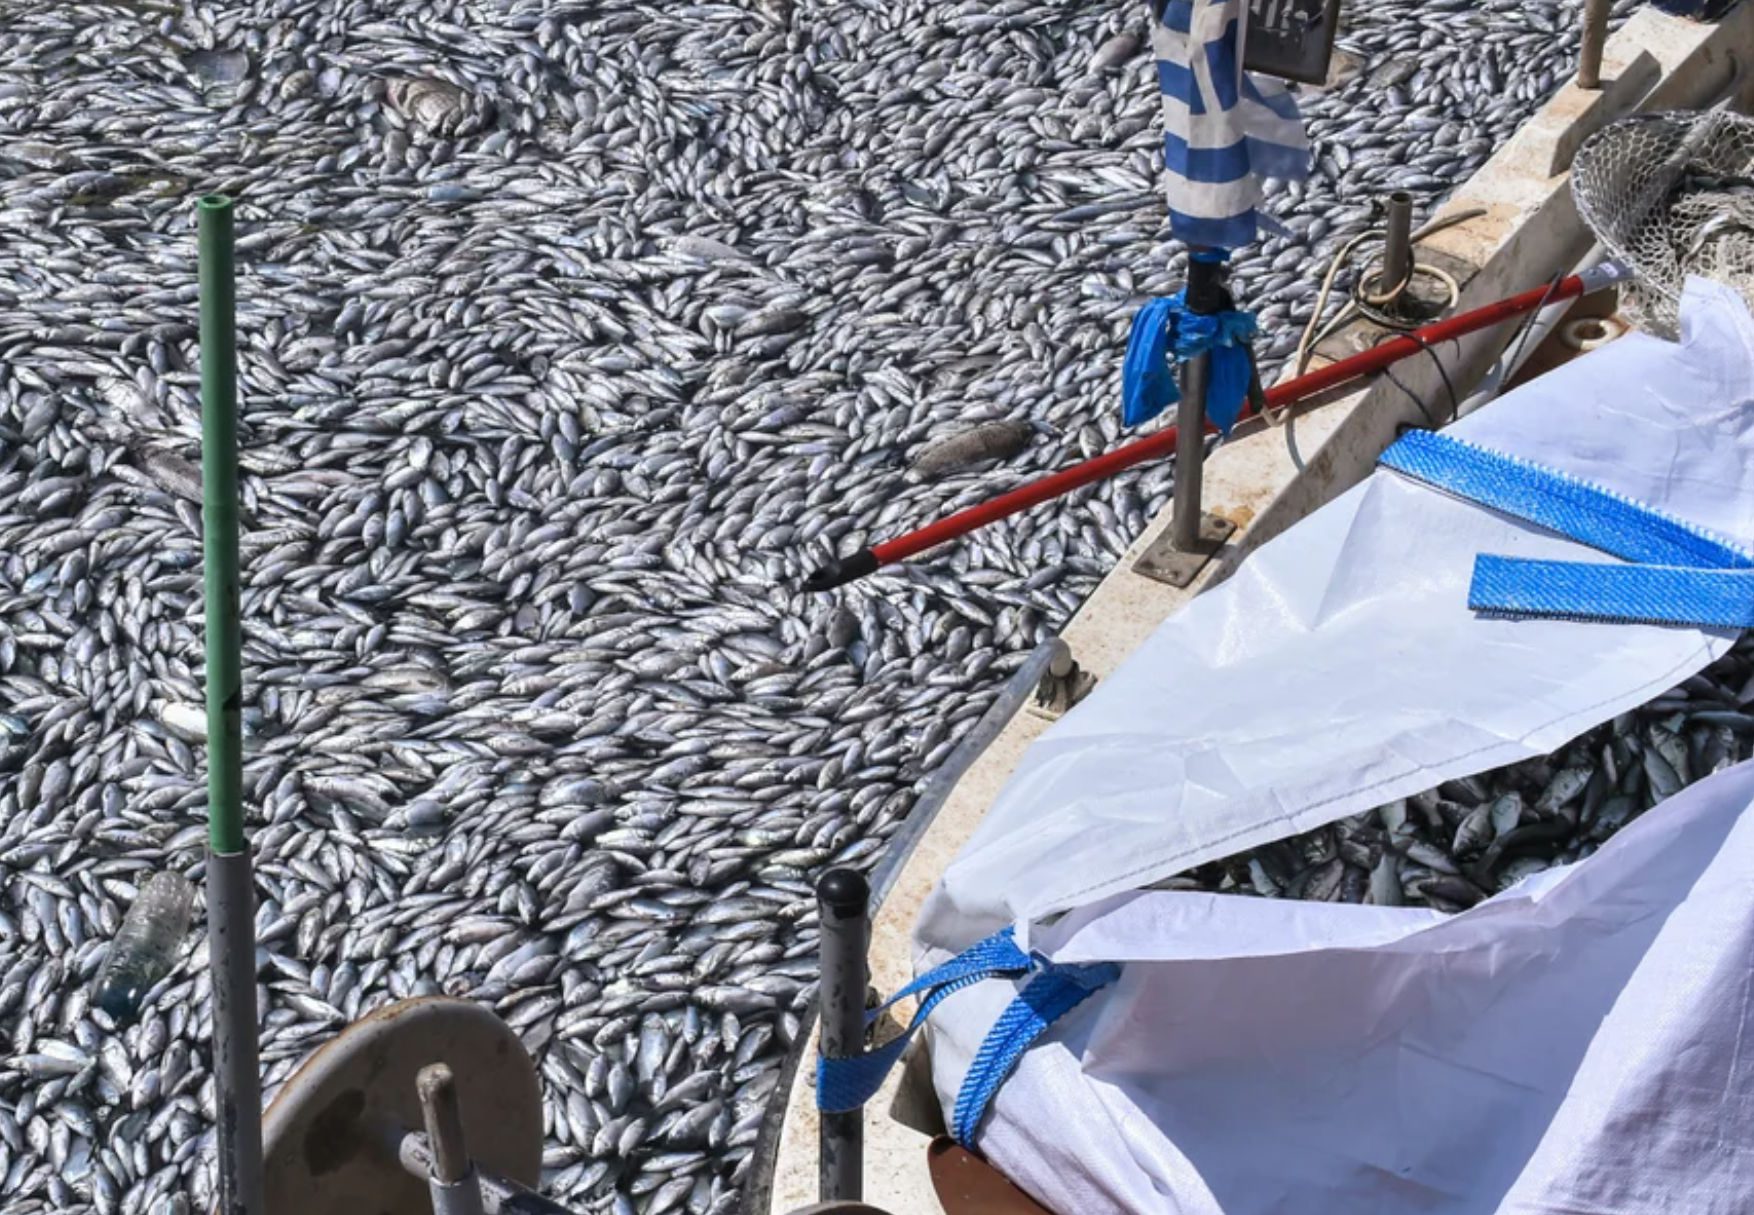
[[757, 1188], [843, 901], [1397, 249], [231, 927], [452, 1182]]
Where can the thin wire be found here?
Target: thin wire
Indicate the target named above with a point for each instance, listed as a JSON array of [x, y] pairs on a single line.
[[1443, 373], [1433, 422], [1527, 326]]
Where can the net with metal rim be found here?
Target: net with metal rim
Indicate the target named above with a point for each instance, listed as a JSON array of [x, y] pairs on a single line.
[[1671, 194]]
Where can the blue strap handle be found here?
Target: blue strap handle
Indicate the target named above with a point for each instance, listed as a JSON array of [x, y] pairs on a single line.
[[1558, 502], [1645, 594], [992, 955], [1047, 997], [1684, 575], [848, 1082]]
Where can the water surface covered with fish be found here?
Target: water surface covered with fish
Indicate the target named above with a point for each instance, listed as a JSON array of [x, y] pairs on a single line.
[[572, 334]]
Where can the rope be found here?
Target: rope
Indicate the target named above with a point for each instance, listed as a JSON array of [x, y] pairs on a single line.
[[1375, 306]]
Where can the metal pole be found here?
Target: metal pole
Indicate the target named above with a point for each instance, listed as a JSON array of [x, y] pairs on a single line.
[[1190, 452], [1397, 249], [843, 902], [1595, 34], [455, 1190], [1205, 294], [231, 915]]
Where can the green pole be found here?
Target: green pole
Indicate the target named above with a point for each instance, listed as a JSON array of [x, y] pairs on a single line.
[[231, 889], [219, 486]]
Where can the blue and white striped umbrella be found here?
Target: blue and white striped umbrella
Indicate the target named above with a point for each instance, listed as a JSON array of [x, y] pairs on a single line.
[[1224, 130]]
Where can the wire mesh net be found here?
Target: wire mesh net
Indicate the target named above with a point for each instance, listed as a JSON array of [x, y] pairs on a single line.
[[1671, 194]]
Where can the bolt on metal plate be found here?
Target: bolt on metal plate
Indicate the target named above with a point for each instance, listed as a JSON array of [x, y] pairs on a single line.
[[1062, 685]]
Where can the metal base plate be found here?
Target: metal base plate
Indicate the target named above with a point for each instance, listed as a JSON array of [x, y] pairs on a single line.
[[1163, 562], [330, 1134]]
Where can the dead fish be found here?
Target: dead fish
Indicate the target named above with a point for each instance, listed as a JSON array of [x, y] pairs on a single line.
[[999, 440]]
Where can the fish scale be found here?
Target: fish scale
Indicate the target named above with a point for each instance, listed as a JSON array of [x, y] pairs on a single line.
[[697, 285]]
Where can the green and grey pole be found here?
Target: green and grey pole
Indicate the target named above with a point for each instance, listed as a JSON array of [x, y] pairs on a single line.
[[231, 910]]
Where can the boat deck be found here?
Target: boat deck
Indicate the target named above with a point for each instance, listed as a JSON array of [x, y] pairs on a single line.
[[1264, 479]]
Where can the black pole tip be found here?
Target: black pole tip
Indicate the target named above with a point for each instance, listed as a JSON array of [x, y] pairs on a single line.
[[841, 570], [844, 892]]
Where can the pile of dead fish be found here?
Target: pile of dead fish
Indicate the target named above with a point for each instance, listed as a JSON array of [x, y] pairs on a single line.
[[571, 334], [1451, 847]]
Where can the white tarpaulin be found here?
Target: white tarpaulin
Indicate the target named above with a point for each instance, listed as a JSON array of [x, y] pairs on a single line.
[[1579, 1045], [1574, 1046], [1341, 667]]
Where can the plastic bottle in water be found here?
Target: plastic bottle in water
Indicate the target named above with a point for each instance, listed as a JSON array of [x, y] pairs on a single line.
[[146, 946]]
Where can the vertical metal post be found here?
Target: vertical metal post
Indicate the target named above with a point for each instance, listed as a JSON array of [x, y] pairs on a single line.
[[1193, 537], [1205, 294], [1595, 34], [231, 912], [1190, 452], [452, 1181], [1397, 249], [843, 903]]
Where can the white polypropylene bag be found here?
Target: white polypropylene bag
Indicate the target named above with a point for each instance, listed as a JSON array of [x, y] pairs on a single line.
[[1579, 1045], [1573, 1046], [1340, 667]]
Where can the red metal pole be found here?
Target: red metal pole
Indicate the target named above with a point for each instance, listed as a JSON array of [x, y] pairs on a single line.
[[847, 569]]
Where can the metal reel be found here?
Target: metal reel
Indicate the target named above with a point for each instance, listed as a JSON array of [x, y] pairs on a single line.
[[332, 1133]]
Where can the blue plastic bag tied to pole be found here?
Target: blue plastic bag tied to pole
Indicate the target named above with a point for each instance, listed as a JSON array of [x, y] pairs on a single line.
[[1165, 334]]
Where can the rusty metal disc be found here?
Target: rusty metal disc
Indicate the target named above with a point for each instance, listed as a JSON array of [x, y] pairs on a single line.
[[331, 1133]]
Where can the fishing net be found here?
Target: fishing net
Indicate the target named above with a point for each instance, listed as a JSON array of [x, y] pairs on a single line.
[[1671, 194]]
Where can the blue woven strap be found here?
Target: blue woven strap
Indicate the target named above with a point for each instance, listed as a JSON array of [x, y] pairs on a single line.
[[1648, 594], [848, 1082], [1558, 502], [1047, 997], [1683, 575], [1166, 334]]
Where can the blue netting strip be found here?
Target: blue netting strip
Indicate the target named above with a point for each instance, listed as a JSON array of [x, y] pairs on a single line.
[[1683, 574], [1558, 502]]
